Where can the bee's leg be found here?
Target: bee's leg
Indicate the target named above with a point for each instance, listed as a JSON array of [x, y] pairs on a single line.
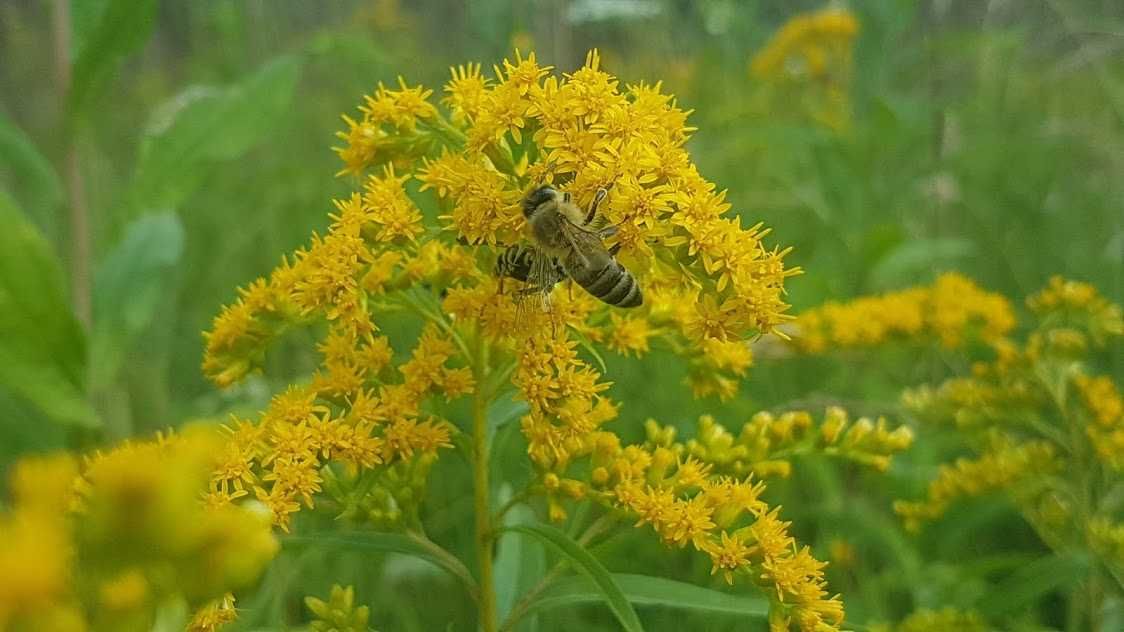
[[592, 213], [614, 249]]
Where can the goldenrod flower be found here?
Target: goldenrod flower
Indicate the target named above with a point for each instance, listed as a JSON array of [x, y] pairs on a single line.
[[361, 432], [950, 311]]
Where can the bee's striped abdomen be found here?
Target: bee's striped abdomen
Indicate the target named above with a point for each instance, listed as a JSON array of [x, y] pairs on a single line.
[[515, 262], [519, 262], [613, 284]]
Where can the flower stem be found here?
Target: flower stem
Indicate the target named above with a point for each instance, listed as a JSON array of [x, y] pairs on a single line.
[[480, 486], [80, 254]]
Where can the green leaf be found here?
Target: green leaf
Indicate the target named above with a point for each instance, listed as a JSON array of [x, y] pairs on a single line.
[[374, 542], [603, 582], [128, 287], [38, 182], [1032, 581], [504, 410], [187, 136], [919, 258], [122, 27], [644, 590], [42, 346], [520, 561]]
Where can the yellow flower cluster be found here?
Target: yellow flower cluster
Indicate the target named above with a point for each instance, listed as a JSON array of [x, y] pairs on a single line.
[[102, 544], [1032, 412], [767, 442], [709, 284], [1066, 302], [708, 281], [723, 516], [950, 310], [812, 51], [339, 613], [1102, 399], [280, 458], [1002, 467]]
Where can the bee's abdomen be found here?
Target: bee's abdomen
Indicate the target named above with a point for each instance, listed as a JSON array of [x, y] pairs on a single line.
[[515, 262], [613, 284]]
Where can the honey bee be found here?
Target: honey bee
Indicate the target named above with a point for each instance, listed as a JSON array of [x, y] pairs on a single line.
[[565, 245]]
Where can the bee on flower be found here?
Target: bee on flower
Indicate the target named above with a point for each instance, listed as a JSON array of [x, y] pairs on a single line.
[[572, 192]]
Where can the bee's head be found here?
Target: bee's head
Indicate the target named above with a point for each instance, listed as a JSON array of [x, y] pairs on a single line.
[[538, 197]]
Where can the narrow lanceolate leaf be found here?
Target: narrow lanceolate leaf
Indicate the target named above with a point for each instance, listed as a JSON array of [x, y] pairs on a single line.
[[1031, 582], [200, 127], [42, 346], [644, 590], [600, 578], [128, 287], [520, 561], [122, 27]]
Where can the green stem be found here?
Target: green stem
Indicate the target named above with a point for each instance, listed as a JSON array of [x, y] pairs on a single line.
[[79, 218], [481, 503], [449, 562]]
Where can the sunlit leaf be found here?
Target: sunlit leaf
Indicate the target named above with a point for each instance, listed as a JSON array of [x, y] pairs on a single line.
[[202, 126], [122, 27], [42, 346]]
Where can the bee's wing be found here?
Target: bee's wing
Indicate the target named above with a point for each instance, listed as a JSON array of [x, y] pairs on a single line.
[[586, 242]]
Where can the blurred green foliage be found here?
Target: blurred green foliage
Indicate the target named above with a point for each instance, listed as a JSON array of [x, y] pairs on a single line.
[[984, 137]]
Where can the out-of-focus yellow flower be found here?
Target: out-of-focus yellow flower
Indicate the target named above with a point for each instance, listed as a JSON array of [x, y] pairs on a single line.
[[1107, 539], [1067, 301], [842, 553], [1003, 467], [35, 565], [102, 546], [949, 311], [811, 53], [1102, 399]]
